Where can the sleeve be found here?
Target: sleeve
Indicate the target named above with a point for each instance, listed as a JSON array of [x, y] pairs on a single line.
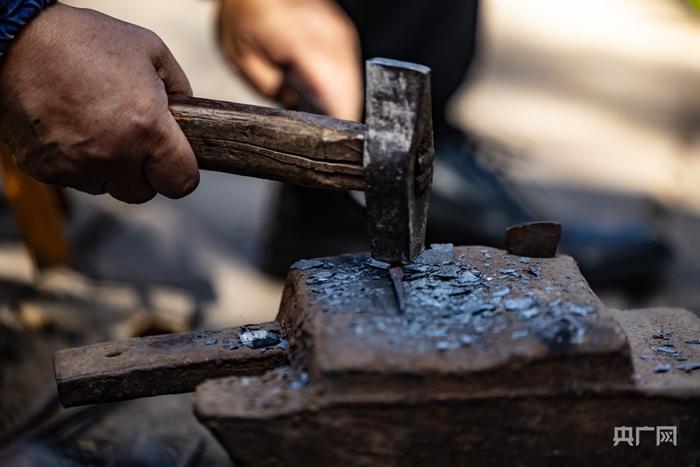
[[14, 14]]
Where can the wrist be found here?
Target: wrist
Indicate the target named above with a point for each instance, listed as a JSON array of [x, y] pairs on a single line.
[[14, 16]]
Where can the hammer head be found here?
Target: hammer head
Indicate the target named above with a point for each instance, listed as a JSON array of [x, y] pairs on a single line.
[[398, 158]]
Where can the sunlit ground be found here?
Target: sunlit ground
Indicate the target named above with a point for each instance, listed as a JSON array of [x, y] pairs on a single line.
[[603, 93]]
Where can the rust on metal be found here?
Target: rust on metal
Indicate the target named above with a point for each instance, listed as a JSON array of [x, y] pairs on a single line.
[[398, 158], [484, 345], [390, 156], [165, 364], [659, 339], [487, 341], [534, 239], [466, 309]]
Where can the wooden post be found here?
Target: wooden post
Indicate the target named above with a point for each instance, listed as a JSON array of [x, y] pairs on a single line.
[[37, 211]]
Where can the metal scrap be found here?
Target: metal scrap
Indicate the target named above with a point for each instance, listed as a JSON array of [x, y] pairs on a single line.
[[519, 304], [260, 338], [535, 271], [447, 298], [396, 274], [534, 239], [661, 334], [377, 264], [688, 367], [305, 264], [580, 310], [668, 349]]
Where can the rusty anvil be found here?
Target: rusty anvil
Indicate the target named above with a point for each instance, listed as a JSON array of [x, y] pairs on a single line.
[[498, 358]]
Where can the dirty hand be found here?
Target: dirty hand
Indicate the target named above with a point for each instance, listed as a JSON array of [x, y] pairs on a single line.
[[84, 104], [308, 44]]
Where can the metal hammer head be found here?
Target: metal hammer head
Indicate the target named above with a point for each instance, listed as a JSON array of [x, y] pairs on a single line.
[[398, 158]]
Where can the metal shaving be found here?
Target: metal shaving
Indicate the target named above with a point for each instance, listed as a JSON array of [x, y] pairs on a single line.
[[529, 313], [299, 380], [449, 304], [305, 264], [688, 367], [666, 349], [378, 264], [259, 338], [535, 271], [251, 336], [580, 310], [661, 334], [522, 303]]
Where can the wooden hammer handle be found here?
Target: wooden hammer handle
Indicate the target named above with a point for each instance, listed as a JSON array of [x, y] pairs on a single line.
[[293, 147]]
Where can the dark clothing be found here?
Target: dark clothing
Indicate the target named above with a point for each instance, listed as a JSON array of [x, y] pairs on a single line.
[[14, 14], [438, 33]]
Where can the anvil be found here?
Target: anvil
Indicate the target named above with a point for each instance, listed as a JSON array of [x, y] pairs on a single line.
[[497, 359]]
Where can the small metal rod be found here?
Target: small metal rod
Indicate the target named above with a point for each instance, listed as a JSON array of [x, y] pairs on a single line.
[[396, 274]]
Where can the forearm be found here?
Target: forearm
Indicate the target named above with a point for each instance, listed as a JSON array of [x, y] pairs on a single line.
[[15, 14]]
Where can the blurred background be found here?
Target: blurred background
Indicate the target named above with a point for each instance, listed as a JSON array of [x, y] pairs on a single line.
[[593, 109]]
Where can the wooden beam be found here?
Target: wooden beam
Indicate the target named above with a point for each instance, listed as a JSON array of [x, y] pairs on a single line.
[[38, 213]]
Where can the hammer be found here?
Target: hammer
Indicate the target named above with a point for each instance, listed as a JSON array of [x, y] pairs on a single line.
[[390, 157]]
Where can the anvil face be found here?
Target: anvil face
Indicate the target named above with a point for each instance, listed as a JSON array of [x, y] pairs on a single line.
[[473, 317], [497, 360]]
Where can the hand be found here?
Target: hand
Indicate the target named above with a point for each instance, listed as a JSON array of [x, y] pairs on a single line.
[[308, 42], [84, 104]]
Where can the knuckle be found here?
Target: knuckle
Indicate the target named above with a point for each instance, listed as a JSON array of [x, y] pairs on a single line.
[[152, 40], [92, 153], [346, 30], [339, 30], [141, 122]]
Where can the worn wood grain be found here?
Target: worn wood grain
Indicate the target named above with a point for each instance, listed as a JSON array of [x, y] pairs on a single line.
[[163, 364], [294, 147]]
